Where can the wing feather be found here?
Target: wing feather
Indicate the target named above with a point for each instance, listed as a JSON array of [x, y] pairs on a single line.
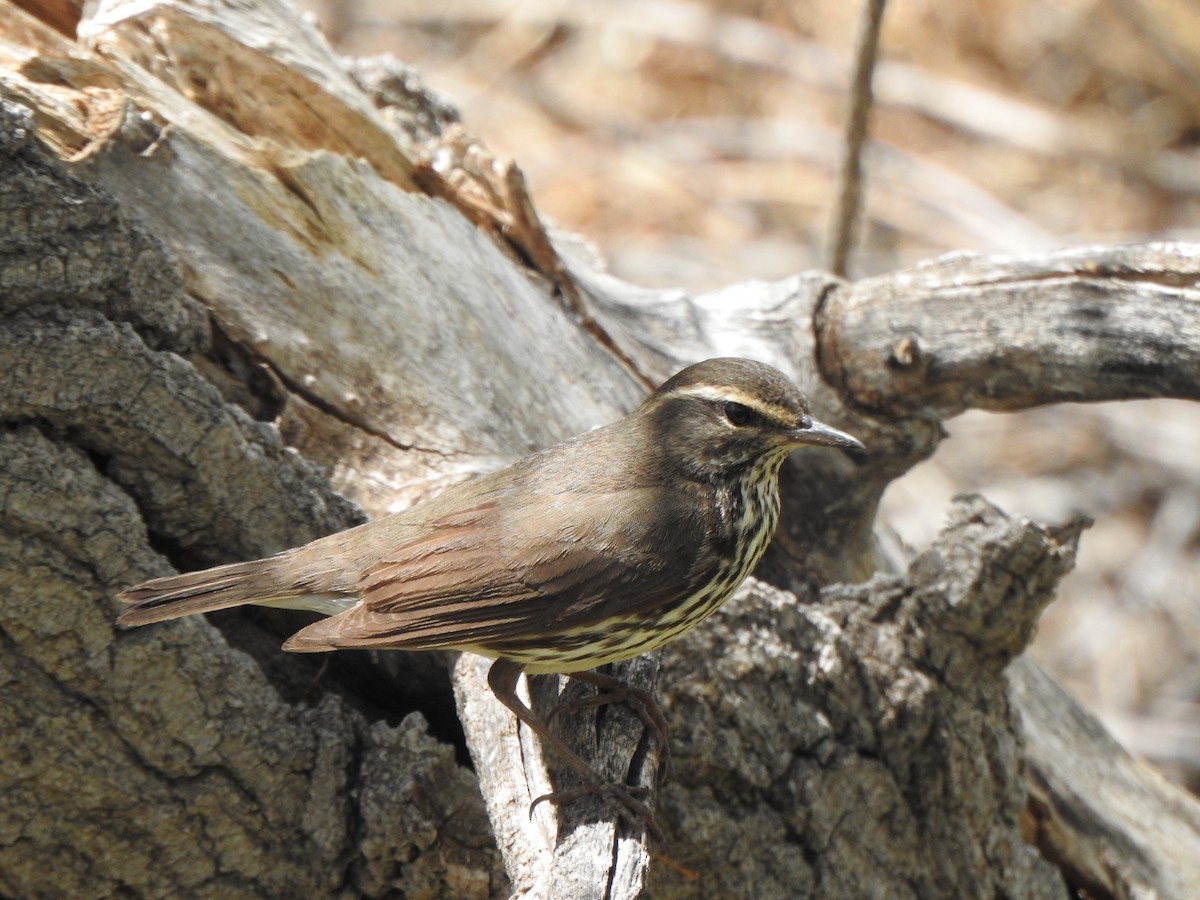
[[487, 575]]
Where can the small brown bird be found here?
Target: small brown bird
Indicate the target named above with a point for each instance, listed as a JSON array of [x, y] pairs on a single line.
[[596, 550]]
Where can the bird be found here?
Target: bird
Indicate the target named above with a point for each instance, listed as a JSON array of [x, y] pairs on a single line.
[[596, 550]]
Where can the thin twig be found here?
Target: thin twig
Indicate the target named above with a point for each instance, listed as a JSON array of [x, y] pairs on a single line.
[[849, 208]]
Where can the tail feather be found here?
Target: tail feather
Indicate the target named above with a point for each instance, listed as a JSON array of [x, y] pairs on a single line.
[[197, 592]]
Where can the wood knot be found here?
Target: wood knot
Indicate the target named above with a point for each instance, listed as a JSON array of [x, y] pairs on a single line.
[[906, 353]]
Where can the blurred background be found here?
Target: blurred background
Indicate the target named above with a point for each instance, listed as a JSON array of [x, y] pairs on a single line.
[[697, 144]]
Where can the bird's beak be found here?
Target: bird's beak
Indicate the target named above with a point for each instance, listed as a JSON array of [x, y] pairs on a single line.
[[820, 434]]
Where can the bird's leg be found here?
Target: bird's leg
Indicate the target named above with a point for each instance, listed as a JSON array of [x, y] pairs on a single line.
[[502, 679], [643, 703]]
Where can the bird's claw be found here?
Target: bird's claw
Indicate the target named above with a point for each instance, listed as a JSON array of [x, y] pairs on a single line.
[[628, 796]]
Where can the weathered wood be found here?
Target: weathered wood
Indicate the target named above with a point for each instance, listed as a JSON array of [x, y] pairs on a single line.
[[964, 332], [824, 747], [167, 762], [312, 281], [360, 330], [1111, 823]]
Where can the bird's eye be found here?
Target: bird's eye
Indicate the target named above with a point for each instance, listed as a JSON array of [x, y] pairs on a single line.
[[737, 414]]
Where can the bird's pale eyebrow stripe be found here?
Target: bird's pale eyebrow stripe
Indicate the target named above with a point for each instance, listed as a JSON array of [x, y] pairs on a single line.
[[772, 411]]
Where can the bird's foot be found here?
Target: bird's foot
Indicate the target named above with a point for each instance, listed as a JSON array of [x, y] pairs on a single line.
[[611, 690], [623, 794]]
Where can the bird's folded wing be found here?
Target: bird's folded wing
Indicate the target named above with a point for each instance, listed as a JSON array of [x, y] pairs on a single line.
[[482, 577]]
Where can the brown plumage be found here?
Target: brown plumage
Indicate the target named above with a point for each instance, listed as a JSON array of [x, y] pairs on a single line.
[[594, 550]]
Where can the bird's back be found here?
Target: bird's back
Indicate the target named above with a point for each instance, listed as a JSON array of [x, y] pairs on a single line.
[[565, 543]]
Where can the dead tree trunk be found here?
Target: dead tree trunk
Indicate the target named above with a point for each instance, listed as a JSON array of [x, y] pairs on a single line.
[[241, 283]]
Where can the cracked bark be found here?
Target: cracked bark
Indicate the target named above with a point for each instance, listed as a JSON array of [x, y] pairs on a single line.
[[220, 320]]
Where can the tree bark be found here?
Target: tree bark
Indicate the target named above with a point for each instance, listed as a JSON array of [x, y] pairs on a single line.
[[242, 282]]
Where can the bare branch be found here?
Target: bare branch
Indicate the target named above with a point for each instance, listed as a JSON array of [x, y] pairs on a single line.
[[848, 211], [1103, 323]]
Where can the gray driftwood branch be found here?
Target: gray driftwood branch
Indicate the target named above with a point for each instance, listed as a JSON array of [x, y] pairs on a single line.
[[242, 281]]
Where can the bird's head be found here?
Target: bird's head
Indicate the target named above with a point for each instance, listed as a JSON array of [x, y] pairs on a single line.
[[719, 416]]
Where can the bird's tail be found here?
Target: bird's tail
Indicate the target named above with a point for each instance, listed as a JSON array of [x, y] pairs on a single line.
[[197, 592]]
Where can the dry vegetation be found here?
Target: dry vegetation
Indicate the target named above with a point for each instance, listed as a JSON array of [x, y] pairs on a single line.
[[698, 144]]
